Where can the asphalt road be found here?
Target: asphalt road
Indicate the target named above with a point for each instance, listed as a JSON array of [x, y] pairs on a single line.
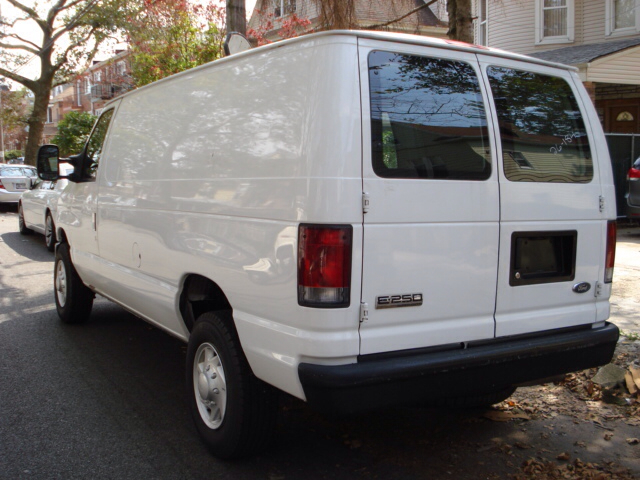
[[106, 400]]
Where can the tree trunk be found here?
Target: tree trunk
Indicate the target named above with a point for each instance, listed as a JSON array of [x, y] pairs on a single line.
[[36, 123], [460, 20], [236, 17]]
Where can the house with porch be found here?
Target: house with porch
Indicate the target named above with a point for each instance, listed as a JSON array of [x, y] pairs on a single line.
[[599, 37], [270, 17]]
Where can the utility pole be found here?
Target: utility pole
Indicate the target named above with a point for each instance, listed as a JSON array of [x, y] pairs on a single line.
[[3, 88]]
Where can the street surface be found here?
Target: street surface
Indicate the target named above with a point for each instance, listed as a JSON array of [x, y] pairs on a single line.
[[106, 400]]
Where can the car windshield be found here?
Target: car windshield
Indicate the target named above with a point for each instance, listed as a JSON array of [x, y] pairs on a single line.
[[12, 172]]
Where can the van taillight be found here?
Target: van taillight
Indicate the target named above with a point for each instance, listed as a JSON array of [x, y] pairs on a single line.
[[611, 251], [633, 174], [324, 265]]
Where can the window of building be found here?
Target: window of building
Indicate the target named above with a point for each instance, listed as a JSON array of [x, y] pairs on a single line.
[[542, 130], [622, 17], [483, 37], [554, 21], [428, 119], [97, 77], [78, 93], [50, 115], [282, 8]]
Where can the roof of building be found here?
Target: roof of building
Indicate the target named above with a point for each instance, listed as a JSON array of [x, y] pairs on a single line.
[[586, 53]]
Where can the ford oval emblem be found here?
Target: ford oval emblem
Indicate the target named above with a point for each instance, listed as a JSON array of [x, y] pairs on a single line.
[[581, 287]]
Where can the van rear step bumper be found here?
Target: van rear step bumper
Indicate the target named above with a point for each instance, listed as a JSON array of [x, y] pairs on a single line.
[[405, 378]]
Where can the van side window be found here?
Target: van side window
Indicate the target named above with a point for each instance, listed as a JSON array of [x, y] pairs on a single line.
[[542, 131], [428, 119], [95, 145]]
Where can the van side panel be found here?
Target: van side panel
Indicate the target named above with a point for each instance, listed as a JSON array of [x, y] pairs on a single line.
[[211, 172]]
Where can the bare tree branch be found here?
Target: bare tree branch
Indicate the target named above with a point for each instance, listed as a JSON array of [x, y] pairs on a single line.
[[24, 47], [31, 13], [64, 57], [75, 20], [30, 84]]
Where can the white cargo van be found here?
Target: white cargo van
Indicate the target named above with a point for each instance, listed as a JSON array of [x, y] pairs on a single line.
[[357, 219]]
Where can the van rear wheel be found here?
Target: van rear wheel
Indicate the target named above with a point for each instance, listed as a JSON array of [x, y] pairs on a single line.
[[234, 412], [74, 299]]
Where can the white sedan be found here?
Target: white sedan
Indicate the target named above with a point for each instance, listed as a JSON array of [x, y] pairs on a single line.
[[15, 179], [37, 209]]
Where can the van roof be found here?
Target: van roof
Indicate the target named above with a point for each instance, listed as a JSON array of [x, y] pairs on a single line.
[[373, 35]]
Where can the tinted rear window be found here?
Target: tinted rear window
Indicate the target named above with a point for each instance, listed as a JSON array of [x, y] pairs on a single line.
[[12, 172], [543, 135], [428, 119]]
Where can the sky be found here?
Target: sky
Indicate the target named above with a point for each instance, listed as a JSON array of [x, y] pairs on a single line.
[[29, 31]]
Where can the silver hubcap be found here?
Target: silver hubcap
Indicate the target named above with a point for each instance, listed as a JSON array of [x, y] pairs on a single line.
[[61, 284], [209, 385], [48, 231]]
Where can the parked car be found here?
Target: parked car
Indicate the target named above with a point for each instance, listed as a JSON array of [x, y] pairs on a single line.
[[633, 192], [14, 180], [359, 219], [37, 208]]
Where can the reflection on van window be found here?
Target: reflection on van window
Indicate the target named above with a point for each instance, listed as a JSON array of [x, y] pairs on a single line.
[[541, 127], [427, 119], [96, 142]]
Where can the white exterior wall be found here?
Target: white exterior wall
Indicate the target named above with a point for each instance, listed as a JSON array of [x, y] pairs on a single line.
[[512, 25], [621, 68]]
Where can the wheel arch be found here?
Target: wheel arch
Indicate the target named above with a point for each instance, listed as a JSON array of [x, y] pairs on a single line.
[[61, 235], [200, 295]]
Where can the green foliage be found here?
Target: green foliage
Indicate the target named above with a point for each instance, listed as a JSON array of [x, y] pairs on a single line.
[[169, 36], [73, 131], [14, 110], [11, 154]]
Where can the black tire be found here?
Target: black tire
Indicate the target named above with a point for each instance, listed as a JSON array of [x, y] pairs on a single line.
[[74, 299], [234, 412], [49, 233], [22, 227]]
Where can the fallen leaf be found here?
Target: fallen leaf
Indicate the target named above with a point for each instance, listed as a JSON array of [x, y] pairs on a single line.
[[523, 446], [633, 441], [563, 456], [608, 436], [502, 416]]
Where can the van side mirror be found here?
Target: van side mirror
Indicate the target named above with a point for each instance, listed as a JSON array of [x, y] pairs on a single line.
[[47, 163]]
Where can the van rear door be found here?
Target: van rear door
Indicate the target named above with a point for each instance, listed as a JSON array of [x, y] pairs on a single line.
[[431, 225], [552, 229]]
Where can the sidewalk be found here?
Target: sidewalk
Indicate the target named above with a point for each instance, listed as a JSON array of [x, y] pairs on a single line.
[[625, 298]]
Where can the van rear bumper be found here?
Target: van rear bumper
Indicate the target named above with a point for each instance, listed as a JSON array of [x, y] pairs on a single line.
[[414, 377]]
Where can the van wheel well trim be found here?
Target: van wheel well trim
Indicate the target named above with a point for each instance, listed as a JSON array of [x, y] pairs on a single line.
[[199, 295]]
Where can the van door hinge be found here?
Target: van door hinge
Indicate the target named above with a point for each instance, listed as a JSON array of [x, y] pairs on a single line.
[[598, 290], [601, 204], [365, 202], [364, 312]]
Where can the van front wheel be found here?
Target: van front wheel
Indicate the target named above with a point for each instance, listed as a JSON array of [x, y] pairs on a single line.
[[74, 299], [233, 411]]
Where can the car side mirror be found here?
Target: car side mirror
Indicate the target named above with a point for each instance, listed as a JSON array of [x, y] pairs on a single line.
[[47, 163]]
